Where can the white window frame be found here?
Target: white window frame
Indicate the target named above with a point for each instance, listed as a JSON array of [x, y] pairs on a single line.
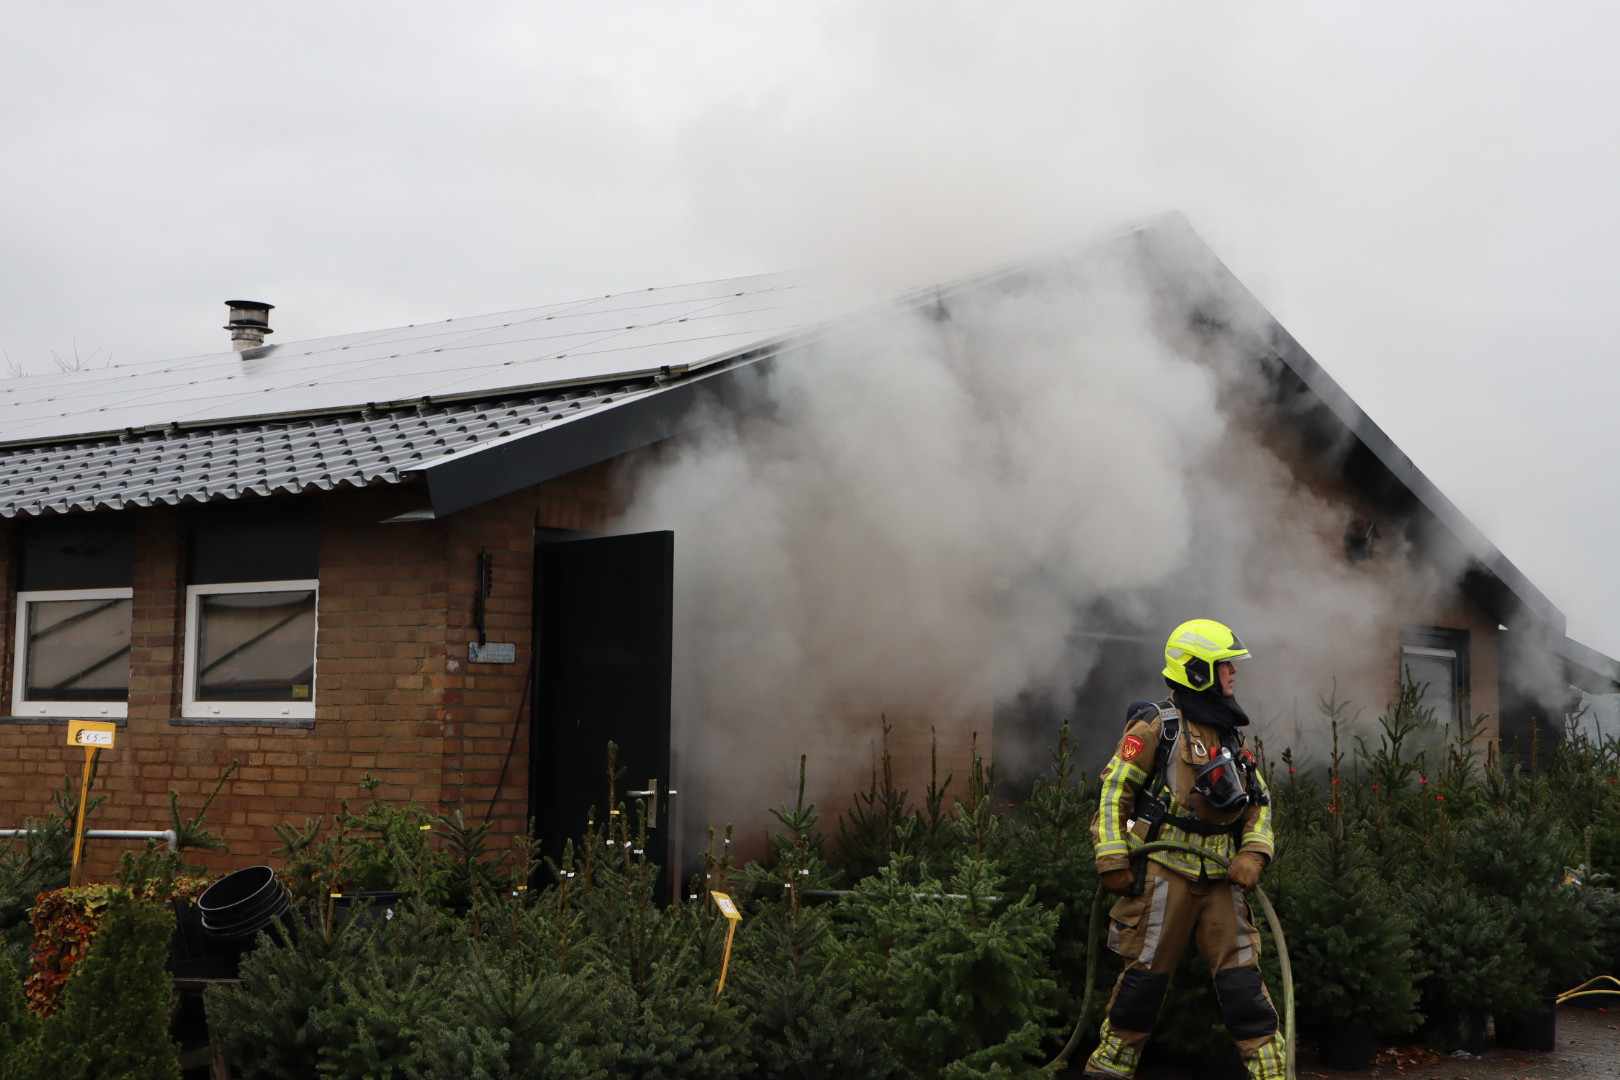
[[190, 707], [19, 673]]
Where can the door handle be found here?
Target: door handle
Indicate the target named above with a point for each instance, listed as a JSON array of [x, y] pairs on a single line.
[[651, 795]]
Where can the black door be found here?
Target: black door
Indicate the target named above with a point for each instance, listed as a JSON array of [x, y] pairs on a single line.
[[602, 628]]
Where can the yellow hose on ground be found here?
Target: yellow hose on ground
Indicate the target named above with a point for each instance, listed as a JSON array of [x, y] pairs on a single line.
[[1582, 991], [1271, 921]]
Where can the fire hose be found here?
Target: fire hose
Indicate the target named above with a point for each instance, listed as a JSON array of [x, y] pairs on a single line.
[[1091, 956]]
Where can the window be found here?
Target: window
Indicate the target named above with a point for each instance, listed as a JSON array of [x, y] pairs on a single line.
[[1437, 660], [250, 611], [250, 649], [73, 617], [73, 653]]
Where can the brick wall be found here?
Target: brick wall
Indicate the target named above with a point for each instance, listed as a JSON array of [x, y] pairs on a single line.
[[485, 752], [1402, 582], [394, 694], [751, 764]]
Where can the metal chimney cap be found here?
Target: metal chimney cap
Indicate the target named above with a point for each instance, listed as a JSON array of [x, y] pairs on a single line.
[[251, 312], [250, 322]]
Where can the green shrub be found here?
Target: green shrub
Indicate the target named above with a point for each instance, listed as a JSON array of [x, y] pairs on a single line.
[[1406, 875], [1467, 943], [373, 1023], [883, 824], [1046, 851], [19, 1027], [1191, 1031], [442, 860], [1350, 938], [958, 968], [270, 1025], [805, 1026], [806, 1020], [671, 1028], [507, 1023], [38, 860], [1603, 903], [115, 1016], [962, 969], [1519, 861]]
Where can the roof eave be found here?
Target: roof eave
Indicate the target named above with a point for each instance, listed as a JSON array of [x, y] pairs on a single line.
[[1587, 658], [488, 472], [685, 401]]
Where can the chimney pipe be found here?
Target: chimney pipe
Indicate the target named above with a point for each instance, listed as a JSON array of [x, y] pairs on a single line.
[[250, 322]]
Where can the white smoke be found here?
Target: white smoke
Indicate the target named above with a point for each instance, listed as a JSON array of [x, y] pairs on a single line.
[[931, 507], [934, 513]]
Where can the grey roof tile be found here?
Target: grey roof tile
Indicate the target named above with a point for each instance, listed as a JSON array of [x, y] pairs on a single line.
[[175, 465]]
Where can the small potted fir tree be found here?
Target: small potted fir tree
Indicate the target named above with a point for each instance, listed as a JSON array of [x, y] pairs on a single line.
[[1354, 963], [1518, 862]]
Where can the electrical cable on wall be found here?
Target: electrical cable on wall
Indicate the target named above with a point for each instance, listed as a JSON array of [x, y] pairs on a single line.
[[511, 745]]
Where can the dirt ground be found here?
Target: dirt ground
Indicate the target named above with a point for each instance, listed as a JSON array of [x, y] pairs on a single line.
[[1588, 1046]]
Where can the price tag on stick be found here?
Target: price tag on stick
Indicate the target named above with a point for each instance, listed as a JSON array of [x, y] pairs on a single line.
[[93, 735], [728, 908]]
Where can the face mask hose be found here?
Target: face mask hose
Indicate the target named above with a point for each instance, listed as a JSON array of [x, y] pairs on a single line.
[[1091, 955]]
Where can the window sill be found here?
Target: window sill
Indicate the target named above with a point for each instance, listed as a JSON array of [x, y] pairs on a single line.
[[305, 722]]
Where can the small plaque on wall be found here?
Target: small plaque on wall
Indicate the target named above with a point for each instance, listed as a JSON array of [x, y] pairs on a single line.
[[491, 652]]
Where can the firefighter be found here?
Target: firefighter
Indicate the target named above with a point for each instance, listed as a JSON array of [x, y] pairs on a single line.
[[1182, 772]]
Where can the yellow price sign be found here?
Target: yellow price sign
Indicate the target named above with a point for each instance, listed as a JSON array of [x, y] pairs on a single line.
[[728, 908], [92, 734]]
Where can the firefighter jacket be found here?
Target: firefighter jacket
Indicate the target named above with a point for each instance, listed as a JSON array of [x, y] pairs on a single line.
[[1115, 830]]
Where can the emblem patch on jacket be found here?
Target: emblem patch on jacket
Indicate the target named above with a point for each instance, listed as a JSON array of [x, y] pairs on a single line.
[[1131, 747]]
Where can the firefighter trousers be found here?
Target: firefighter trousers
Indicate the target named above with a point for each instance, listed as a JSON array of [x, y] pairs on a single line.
[[1151, 932]]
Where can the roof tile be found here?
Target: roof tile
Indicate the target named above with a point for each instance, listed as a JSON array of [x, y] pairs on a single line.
[[174, 465]]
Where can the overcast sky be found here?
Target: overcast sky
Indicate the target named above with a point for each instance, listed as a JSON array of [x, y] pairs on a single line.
[[1425, 195]]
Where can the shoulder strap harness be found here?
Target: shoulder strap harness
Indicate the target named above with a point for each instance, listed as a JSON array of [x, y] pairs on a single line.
[[1154, 798]]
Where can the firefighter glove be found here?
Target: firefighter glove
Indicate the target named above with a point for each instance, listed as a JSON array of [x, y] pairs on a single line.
[[1245, 869], [1119, 881]]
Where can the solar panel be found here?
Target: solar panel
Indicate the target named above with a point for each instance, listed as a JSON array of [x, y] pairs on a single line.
[[582, 341]]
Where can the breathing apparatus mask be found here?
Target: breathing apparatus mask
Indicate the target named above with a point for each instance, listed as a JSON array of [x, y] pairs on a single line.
[[1224, 782]]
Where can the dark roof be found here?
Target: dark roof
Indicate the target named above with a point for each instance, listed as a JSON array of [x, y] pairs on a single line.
[[267, 457], [1588, 668]]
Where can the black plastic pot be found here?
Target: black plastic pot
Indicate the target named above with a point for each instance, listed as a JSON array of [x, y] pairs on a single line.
[[1347, 1046], [1536, 1031], [194, 953], [1458, 1030], [188, 942], [239, 905]]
